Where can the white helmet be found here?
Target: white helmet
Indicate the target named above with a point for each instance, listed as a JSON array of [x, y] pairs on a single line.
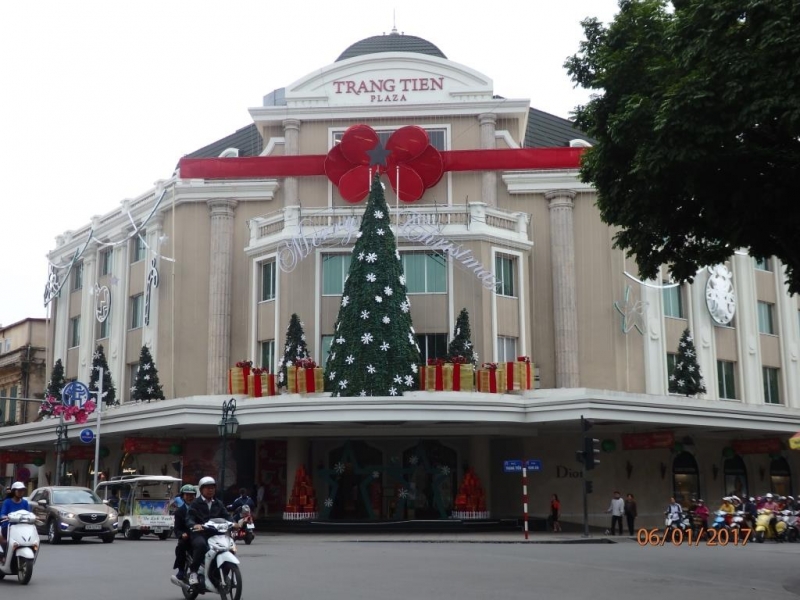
[[18, 485], [206, 481], [769, 496]]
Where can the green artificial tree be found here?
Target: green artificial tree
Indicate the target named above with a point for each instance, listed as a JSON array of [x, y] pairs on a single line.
[[109, 391], [146, 386], [295, 349], [57, 381], [374, 351], [686, 378], [461, 346]]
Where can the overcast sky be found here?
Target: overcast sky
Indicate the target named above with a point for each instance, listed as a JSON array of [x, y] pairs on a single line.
[[99, 99]]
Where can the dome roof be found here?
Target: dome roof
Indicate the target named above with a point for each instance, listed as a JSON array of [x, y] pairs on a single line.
[[394, 42]]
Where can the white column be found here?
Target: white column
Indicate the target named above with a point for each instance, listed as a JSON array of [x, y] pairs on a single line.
[[488, 178], [219, 294], [788, 329], [655, 350], [88, 321], [565, 305], [705, 339], [480, 459], [291, 135], [296, 455], [118, 286], [748, 340], [155, 228]]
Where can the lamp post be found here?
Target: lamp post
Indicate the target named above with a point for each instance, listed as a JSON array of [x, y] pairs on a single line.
[[62, 445], [228, 425]]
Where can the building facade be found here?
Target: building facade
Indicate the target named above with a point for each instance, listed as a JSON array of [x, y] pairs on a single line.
[[213, 269]]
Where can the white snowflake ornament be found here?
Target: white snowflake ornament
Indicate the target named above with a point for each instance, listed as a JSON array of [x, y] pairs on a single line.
[[385, 346], [366, 338], [365, 314], [345, 300], [378, 299], [372, 257], [350, 359], [378, 214], [371, 277], [380, 232], [393, 391], [388, 291], [371, 370]]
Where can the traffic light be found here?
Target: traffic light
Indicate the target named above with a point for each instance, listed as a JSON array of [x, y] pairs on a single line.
[[589, 487], [589, 453]]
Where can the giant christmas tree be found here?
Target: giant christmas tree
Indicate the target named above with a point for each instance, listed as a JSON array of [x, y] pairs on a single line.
[[57, 381], [686, 378], [147, 386], [294, 349], [109, 391], [461, 346], [374, 352]]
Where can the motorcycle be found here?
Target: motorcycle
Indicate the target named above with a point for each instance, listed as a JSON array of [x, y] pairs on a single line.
[[722, 520], [677, 521], [219, 573], [22, 546], [247, 528], [793, 531], [764, 528]]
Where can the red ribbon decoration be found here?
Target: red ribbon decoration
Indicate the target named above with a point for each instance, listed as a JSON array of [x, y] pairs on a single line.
[[411, 160]]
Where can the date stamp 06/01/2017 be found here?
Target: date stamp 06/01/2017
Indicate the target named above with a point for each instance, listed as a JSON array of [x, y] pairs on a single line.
[[702, 537]]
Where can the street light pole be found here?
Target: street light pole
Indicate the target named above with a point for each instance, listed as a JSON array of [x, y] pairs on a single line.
[[228, 425], [62, 444]]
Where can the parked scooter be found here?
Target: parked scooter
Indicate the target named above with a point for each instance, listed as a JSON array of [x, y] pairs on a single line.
[[247, 528], [766, 530], [22, 546], [220, 573], [722, 520]]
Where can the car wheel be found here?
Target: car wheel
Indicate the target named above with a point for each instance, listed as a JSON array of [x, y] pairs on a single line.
[[164, 535], [77, 538], [108, 538], [53, 534], [126, 531]]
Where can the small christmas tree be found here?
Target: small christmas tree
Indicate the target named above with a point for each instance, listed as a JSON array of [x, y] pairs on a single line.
[[302, 499], [57, 381], [294, 350], [686, 378], [461, 346], [146, 386], [109, 392], [374, 352]]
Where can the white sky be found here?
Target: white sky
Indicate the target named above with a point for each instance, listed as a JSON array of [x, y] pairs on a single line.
[[99, 99]]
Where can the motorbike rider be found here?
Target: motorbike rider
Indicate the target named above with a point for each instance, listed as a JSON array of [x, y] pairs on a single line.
[[751, 510], [14, 502], [727, 506], [182, 532], [771, 505], [674, 511], [701, 512], [205, 507], [242, 500]]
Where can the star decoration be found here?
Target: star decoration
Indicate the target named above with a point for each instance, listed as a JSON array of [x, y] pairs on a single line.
[[385, 346], [386, 320], [371, 370], [632, 312], [371, 277], [365, 314], [350, 359], [372, 257], [133, 388], [378, 154], [366, 338]]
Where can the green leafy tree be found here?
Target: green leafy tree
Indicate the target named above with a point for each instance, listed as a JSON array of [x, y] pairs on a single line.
[[147, 386], [109, 391], [686, 378], [374, 351], [696, 117], [295, 349], [57, 382], [461, 345]]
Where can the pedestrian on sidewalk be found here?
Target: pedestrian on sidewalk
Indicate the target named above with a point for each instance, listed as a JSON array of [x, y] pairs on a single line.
[[555, 512], [261, 500], [630, 512], [617, 509]]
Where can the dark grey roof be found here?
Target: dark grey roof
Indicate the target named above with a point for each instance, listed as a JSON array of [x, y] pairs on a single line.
[[546, 130], [247, 140], [394, 42]]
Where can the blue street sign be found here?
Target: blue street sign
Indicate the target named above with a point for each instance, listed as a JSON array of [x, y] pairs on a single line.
[[75, 394], [533, 464], [512, 466], [87, 436]]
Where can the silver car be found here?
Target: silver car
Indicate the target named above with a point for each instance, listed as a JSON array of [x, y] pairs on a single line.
[[73, 511]]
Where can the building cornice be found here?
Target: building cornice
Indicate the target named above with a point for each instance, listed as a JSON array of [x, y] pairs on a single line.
[[537, 182]]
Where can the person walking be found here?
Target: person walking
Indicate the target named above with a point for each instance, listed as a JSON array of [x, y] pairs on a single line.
[[617, 509], [630, 512], [555, 512], [261, 500]]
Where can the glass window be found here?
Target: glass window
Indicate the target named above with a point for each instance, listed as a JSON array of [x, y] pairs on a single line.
[[437, 137], [327, 341], [77, 276], [105, 261], [267, 352], [426, 272], [673, 301], [268, 281], [685, 479], [727, 382], [506, 349], [780, 477], [735, 473], [334, 270], [766, 322], [772, 394], [432, 345], [137, 311], [11, 406], [763, 264], [138, 248], [104, 329], [74, 332], [505, 271]]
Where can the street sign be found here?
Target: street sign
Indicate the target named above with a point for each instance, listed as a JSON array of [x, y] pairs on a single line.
[[75, 394], [533, 465], [512, 466], [87, 436]]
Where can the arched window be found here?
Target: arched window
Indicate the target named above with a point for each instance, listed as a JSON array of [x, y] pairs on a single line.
[[685, 479], [780, 477], [735, 477]]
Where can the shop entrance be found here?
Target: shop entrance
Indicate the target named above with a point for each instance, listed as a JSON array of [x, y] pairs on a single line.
[[356, 473]]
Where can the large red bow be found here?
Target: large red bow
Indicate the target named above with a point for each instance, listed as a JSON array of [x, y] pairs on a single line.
[[412, 164]]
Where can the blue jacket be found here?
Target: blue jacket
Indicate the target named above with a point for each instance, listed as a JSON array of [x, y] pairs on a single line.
[[10, 506]]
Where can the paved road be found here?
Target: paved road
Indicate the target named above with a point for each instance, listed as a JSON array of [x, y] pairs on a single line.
[[403, 567]]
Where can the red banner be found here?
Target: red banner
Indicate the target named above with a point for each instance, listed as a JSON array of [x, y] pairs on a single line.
[[80, 452], [10, 457], [758, 446], [148, 445], [648, 441]]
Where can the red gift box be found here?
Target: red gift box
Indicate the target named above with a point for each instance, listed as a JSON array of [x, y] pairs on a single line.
[[237, 377], [261, 383], [431, 377]]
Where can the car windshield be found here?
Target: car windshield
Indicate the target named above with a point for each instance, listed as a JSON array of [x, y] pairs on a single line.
[[75, 497]]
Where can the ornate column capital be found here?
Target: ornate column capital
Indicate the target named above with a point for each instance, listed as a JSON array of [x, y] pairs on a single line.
[[487, 119], [560, 198], [291, 124], [221, 207]]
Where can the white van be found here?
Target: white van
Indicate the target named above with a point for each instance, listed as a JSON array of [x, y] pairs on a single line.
[[144, 503]]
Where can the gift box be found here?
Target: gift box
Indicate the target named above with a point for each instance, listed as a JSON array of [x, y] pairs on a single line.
[[305, 377], [459, 377], [492, 378], [237, 377], [523, 373], [260, 383], [431, 376]]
